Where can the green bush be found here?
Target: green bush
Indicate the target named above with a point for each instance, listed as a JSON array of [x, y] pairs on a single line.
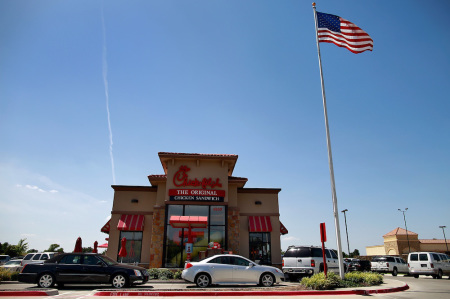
[[353, 279], [317, 282], [163, 274], [6, 275]]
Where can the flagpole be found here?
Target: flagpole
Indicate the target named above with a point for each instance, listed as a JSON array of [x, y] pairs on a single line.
[[330, 158]]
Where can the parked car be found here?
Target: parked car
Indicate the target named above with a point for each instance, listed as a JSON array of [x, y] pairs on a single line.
[[352, 264], [4, 258], [12, 265], [429, 263], [389, 264], [230, 269], [37, 257], [86, 268], [301, 261]]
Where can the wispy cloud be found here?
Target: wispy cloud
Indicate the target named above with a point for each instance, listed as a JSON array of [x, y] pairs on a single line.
[[105, 82], [36, 188]]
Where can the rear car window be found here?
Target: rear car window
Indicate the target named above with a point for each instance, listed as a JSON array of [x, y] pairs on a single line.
[[423, 257], [298, 252], [28, 256], [414, 257]]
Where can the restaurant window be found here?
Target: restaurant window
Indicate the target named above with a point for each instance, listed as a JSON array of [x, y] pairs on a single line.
[[176, 238], [260, 249], [133, 246]]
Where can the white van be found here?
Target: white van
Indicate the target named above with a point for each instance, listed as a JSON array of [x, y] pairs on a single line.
[[428, 263]]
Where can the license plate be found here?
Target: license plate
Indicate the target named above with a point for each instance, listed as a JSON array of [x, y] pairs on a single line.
[[423, 265]]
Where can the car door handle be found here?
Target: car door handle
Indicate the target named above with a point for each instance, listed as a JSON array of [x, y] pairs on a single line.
[[299, 260]]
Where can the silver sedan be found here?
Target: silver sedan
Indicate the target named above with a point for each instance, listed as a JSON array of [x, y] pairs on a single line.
[[230, 269]]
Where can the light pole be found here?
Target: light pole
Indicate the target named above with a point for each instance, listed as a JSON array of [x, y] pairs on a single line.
[[346, 231], [404, 218], [443, 226]]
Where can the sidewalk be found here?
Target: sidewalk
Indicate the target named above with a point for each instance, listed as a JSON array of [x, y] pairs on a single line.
[[179, 288]]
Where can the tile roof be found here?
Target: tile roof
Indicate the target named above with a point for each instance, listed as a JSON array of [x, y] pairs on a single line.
[[432, 241], [399, 231]]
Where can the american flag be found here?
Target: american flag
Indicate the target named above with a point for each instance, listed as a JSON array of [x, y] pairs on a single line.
[[342, 33]]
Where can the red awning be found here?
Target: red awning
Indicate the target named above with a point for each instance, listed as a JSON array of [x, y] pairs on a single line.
[[186, 221], [131, 222], [106, 227], [283, 229], [259, 224]]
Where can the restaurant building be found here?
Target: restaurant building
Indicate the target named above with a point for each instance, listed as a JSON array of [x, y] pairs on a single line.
[[196, 200]]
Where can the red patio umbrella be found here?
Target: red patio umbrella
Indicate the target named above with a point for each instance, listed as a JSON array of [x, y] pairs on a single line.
[[103, 245], [95, 247], [78, 247], [123, 250]]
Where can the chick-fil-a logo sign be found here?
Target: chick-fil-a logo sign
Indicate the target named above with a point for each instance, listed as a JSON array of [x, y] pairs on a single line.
[[181, 179]]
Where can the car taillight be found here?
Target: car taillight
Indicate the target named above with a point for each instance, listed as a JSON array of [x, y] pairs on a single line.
[[188, 265], [23, 268], [431, 265], [408, 265], [282, 264], [313, 263], [387, 265]]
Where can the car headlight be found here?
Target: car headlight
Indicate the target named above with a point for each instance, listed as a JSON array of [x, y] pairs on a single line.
[[137, 272], [278, 270]]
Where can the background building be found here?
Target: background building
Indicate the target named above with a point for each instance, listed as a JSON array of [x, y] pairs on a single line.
[[396, 243]]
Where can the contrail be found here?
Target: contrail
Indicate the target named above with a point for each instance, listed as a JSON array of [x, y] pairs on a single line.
[[105, 82]]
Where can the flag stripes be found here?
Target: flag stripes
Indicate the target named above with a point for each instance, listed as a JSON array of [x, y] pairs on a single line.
[[342, 33]]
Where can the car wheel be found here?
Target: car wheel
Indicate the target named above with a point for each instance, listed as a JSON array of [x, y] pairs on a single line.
[[46, 280], [293, 278], [119, 281], [394, 272], [416, 276], [267, 280], [439, 275], [203, 280]]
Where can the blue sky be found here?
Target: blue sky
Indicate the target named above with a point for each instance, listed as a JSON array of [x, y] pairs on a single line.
[[229, 77]]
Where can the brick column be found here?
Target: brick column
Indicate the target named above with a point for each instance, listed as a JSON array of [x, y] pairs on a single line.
[[156, 246], [233, 229]]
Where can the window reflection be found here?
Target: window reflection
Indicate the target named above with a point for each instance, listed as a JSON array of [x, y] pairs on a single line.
[[176, 238]]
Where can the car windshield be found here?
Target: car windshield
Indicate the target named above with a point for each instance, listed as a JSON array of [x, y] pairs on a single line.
[[108, 260], [13, 263]]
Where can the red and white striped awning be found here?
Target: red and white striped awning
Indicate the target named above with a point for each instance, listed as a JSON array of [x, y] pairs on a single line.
[[259, 224], [131, 222], [188, 221], [283, 229], [106, 227]]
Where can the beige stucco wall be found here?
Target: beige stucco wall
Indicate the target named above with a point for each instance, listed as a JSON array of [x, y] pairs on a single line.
[[269, 207], [122, 205], [375, 250]]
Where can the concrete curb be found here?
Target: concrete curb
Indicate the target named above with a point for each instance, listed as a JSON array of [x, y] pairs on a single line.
[[247, 293], [26, 293]]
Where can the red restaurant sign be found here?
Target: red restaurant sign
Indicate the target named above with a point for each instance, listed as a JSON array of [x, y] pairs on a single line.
[[181, 179]]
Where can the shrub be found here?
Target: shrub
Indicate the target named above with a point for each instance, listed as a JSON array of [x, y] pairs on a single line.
[[317, 282], [163, 274], [353, 279], [6, 275]]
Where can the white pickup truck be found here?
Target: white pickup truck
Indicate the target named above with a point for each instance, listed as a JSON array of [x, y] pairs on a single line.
[[389, 264]]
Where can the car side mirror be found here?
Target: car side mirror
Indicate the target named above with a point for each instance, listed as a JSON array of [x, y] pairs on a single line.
[[252, 265], [99, 263]]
